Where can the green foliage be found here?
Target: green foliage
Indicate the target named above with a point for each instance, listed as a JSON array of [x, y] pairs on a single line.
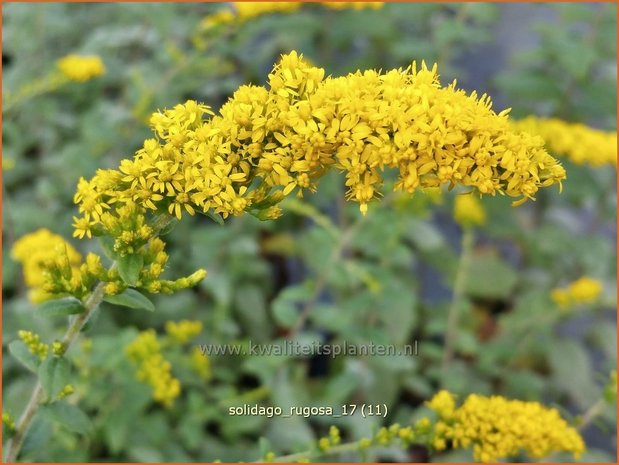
[[61, 307], [132, 299]]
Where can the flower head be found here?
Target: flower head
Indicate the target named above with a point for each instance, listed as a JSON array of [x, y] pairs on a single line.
[[584, 290], [267, 142], [468, 211], [40, 252], [153, 368], [577, 142], [81, 68], [34, 344], [497, 428], [183, 331]]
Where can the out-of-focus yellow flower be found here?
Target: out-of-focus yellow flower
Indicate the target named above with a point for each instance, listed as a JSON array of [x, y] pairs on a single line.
[[81, 68], [582, 291], [468, 210], [247, 10], [7, 164], [153, 368], [8, 421], [353, 5], [443, 403], [183, 331], [200, 363], [579, 143], [244, 11], [219, 18], [34, 344], [38, 252], [497, 428], [266, 143]]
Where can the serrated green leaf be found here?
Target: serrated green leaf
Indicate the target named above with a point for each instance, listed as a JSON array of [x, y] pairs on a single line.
[[68, 415], [53, 375], [129, 268], [21, 353], [132, 299], [62, 307]]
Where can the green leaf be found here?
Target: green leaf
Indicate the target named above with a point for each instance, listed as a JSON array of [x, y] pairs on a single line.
[[21, 353], [168, 227], [572, 371], [68, 415], [62, 307], [132, 299], [490, 277], [54, 374], [129, 268], [37, 437], [286, 306], [215, 217], [107, 245]]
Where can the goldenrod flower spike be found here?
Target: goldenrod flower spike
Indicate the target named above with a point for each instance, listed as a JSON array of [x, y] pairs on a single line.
[[153, 368], [581, 144], [267, 142], [244, 11], [497, 428]]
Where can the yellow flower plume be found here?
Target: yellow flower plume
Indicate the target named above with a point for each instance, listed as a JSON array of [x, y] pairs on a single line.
[[579, 143], [268, 141], [498, 428]]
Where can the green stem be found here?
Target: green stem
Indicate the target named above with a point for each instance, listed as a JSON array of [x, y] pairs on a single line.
[[457, 297], [16, 442], [591, 414], [341, 448]]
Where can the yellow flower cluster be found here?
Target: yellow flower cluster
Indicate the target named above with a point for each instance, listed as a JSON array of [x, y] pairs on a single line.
[[200, 363], [153, 368], [265, 143], [8, 421], [577, 142], [582, 291], [183, 331], [468, 211], [33, 343], [58, 348], [53, 268], [353, 5], [498, 428], [333, 439], [67, 390], [36, 251], [248, 10], [81, 68]]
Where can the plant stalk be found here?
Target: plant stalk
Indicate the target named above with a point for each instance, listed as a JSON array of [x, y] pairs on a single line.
[[15, 444], [456, 299]]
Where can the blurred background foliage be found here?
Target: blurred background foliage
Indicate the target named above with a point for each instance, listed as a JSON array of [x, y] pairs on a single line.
[[385, 277]]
